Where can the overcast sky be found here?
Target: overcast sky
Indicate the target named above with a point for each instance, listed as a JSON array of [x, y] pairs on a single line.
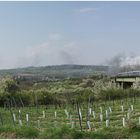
[[53, 33]]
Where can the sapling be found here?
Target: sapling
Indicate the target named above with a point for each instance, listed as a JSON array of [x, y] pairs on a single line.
[[101, 110], [101, 117], [72, 124], [129, 110], [90, 110], [110, 110], [122, 108], [80, 113], [123, 121], [132, 108], [80, 120], [94, 115], [43, 113], [1, 118], [106, 112], [139, 120], [70, 119], [88, 124], [107, 123], [128, 115], [55, 114], [11, 113], [66, 111], [55, 123], [20, 122], [38, 123], [19, 112], [27, 118], [14, 117], [67, 114]]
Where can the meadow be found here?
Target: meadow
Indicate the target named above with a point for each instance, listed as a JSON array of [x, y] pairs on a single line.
[[71, 108], [111, 119]]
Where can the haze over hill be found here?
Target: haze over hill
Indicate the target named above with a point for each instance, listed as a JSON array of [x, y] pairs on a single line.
[[58, 71]]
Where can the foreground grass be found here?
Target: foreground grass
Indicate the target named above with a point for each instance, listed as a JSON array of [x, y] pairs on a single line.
[[60, 127], [67, 133]]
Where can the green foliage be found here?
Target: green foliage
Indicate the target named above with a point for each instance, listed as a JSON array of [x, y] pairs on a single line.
[[25, 97], [113, 94], [9, 86], [58, 71], [19, 132], [27, 132], [64, 92], [64, 132], [44, 96]]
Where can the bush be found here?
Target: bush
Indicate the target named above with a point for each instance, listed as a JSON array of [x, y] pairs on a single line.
[[114, 94]]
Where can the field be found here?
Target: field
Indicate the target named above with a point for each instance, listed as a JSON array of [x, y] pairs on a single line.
[[89, 107], [64, 122]]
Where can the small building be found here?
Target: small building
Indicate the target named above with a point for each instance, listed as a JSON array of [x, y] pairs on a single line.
[[129, 79]]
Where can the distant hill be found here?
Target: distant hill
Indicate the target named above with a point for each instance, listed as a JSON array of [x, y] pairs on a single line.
[[58, 71]]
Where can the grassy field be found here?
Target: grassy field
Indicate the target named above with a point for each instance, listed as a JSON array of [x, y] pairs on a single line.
[[55, 123]]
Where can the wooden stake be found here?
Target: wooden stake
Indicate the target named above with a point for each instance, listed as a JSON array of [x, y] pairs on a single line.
[[80, 121]]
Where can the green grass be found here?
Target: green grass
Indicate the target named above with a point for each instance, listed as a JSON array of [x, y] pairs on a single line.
[[60, 127]]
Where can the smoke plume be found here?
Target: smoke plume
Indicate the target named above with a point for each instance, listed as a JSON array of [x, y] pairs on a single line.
[[122, 63]]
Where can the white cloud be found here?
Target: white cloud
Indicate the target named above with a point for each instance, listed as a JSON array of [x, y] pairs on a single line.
[[86, 10]]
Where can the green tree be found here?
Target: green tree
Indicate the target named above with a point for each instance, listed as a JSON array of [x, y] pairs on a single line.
[[9, 86]]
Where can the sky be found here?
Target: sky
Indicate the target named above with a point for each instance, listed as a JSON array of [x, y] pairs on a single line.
[[54, 33]]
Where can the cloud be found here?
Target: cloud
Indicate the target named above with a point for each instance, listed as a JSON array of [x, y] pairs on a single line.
[[54, 52], [86, 10]]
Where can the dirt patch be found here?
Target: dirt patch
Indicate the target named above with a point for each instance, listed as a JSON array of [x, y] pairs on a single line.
[[9, 135]]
